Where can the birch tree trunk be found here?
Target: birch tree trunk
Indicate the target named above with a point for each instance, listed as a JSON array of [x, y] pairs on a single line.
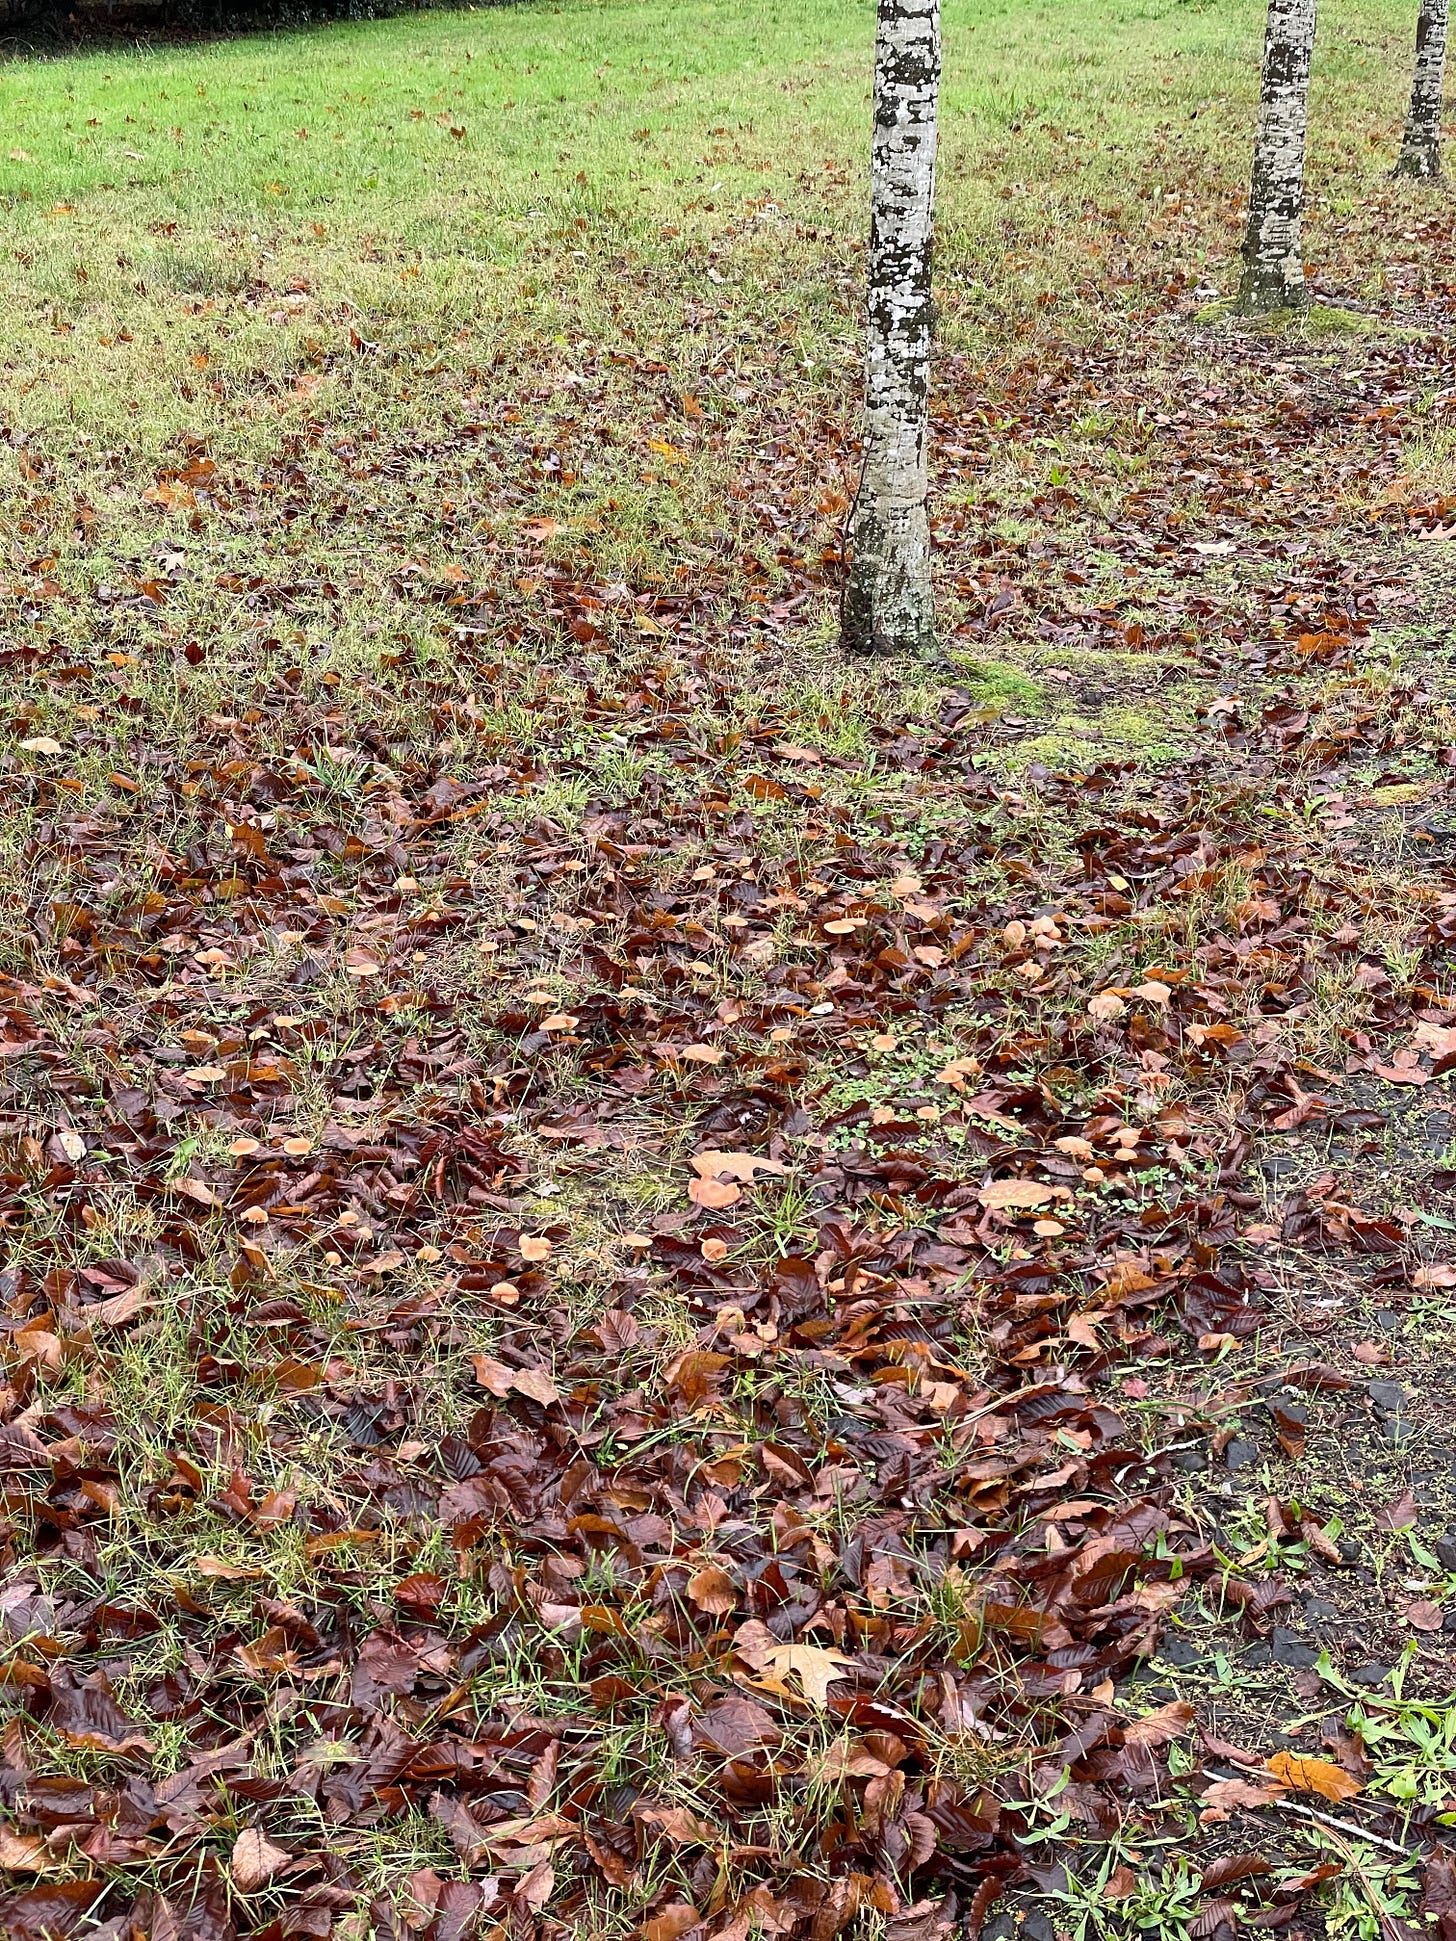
[[888, 606], [1420, 154], [1273, 276]]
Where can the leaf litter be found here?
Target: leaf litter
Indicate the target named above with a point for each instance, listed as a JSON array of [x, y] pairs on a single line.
[[631, 1358]]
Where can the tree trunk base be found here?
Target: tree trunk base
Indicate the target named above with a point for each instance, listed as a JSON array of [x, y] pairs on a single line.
[[872, 629], [1265, 291], [1419, 163], [888, 610]]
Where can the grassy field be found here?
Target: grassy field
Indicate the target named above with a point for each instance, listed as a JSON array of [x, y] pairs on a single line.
[[332, 252], [526, 1407]]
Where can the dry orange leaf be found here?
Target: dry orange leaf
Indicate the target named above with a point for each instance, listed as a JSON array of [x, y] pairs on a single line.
[[1319, 1776], [26, 1853], [1371, 1353], [493, 1375], [497, 1379], [1226, 1793], [1155, 991], [1421, 1614], [195, 1189], [255, 1860], [815, 1666], [678, 1824], [734, 1165], [1005, 1194], [1169, 1722], [537, 1385], [711, 1589], [671, 1922]]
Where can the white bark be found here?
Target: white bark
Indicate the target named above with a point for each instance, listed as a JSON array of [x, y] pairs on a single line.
[[1273, 276], [1420, 154], [888, 606]]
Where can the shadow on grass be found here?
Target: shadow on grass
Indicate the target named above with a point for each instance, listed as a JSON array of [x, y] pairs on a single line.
[[35, 28]]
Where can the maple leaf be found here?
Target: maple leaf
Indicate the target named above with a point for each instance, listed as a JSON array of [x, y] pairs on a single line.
[[815, 1666]]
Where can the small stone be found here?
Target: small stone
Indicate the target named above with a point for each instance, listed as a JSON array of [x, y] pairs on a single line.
[[1445, 1548], [1371, 1674], [1386, 1317], [1389, 1397], [1179, 1652], [1240, 1453], [1287, 1649], [1318, 1609], [1256, 1657], [1192, 1461], [1349, 1549], [1037, 1926], [1289, 1411], [1397, 1428]]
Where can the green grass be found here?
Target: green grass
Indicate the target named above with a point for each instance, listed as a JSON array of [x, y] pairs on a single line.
[[202, 242]]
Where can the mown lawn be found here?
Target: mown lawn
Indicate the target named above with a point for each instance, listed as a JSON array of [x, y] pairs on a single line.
[[651, 1281]]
